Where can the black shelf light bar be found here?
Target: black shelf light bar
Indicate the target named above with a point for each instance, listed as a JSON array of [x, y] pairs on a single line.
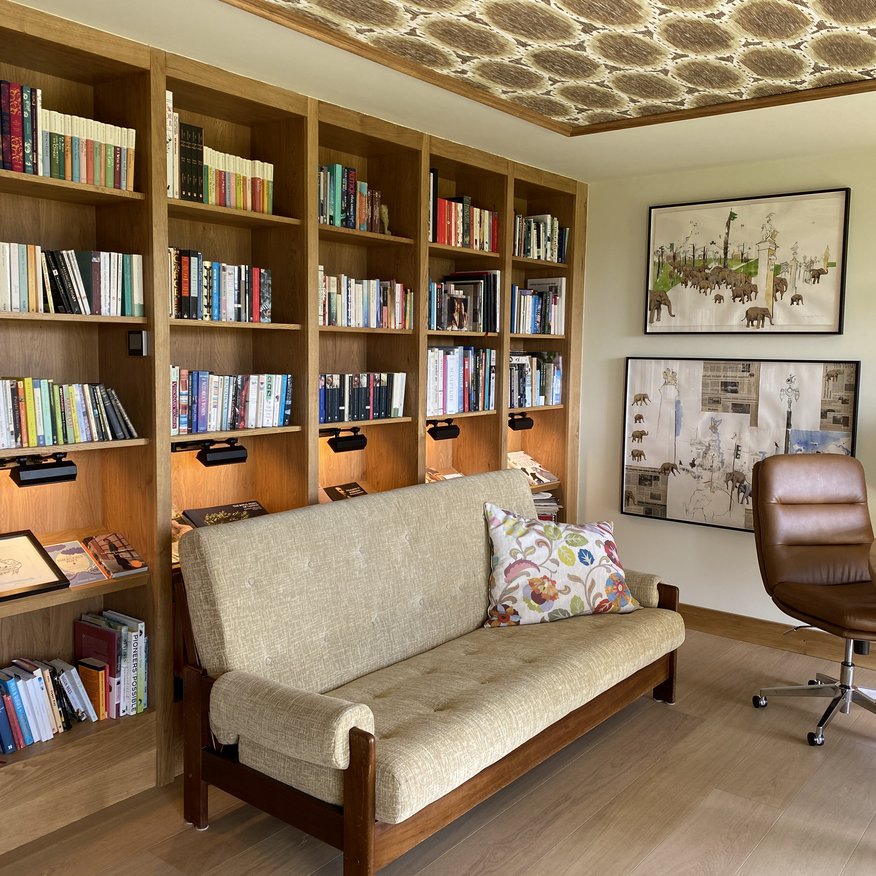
[[442, 430], [35, 471], [341, 443], [519, 422], [212, 452]]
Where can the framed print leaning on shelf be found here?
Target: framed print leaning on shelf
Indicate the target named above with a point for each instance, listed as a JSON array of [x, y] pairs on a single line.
[[26, 567], [773, 264], [694, 428]]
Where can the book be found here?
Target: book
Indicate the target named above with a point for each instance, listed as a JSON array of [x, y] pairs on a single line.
[[93, 673], [75, 690], [344, 491], [7, 739], [75, 562], [91, 639], [138, 648], [538, 475], [224, 513], [9, 687], [433, 475], [114, 555]]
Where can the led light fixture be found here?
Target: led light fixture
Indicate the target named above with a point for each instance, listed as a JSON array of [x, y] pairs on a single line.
[[519, 422], [344, 443], [35, 471], [439, 432], [210, 452]]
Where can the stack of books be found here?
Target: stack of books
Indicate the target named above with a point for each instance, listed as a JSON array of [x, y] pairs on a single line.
[[538, 475]]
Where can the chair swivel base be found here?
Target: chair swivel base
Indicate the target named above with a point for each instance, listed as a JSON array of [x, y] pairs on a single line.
[[843, 692]]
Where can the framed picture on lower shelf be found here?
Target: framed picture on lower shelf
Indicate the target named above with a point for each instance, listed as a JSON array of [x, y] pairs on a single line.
[[694, 429], [26, 567]]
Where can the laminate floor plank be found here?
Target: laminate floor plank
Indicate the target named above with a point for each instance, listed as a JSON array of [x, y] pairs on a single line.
[[863, 859], [717, 838]]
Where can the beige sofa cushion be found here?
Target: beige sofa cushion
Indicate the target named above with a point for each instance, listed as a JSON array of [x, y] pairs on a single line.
[[321, 595], [443, 716]]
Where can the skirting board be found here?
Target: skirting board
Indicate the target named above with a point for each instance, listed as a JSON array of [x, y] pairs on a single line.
[[815, 643]]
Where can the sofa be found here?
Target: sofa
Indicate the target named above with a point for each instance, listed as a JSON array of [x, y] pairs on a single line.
[[340, 676]]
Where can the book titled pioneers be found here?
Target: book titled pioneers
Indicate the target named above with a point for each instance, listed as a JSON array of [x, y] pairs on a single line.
[[224, 513], [75, 562], [114, 554]]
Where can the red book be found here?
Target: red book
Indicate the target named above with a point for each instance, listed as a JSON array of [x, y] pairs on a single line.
[[494, 232], [16, 128], [102, 643], [258, 194], [185, 291], [220, 188], [441, 224], [254, 278], [466, 382], [117, 167], [89, 165]]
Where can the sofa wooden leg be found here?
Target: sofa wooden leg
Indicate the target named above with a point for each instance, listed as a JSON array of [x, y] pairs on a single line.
[[665, 691], [195, 714], [359, 805]]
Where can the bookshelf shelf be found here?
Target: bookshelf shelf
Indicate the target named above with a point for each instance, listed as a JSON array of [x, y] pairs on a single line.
[[85, 446], [444, 250], [39, 601], [459, 416], [351, 329], [28, 185], [524, 262], [361, 238], [383, 421], [195, 211], [455, 333], [234, 433], [525, 336], [552, 485], [211, 324], [76, 317], [535, 409]]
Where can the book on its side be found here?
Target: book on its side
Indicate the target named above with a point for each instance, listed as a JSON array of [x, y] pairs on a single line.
[[224, 513], [114, 554], [75, 562], [344, 491]]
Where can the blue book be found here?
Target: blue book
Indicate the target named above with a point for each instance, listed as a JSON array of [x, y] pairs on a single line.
[[203, 398], [9, 686], [284, 380], [217, 276], [74, 154], [7, 740], [322, 398]]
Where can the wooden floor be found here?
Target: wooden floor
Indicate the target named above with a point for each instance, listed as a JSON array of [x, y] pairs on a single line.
[[708, 785]]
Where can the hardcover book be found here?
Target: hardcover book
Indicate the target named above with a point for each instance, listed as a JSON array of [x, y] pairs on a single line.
[[114, 554], [224, 513], [75, 562], [344, 491]]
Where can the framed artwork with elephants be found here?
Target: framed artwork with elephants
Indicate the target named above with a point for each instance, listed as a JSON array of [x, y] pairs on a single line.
[[694, 428], [770, 264]]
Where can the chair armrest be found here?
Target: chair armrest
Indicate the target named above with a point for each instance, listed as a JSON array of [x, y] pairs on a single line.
[[307, 726], [643, 585]]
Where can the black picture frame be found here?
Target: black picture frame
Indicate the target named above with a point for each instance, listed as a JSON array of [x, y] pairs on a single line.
[[693, 429], [766, 264], [26, 567]]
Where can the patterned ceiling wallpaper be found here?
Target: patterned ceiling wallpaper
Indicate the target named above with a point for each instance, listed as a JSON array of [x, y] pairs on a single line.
[[588, 62]]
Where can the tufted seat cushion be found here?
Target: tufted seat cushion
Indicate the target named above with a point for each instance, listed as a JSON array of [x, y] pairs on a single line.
[[444, 715]]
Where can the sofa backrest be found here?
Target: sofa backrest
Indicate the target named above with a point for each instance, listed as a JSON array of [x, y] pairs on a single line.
[[321, 595]]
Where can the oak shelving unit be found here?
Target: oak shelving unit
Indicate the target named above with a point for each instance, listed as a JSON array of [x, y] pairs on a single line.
[[131, 486]]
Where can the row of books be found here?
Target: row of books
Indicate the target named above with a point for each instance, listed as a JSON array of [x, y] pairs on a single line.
[[460, 379], [201, 401], [535, 379], [539, 308], [373, 395], [456, 222], [346, 301], [108, 679], [43, 142], [346, 201], [36, 412], [216, 291], [540, 237], [465, 301], [196, 172], [34, 280]]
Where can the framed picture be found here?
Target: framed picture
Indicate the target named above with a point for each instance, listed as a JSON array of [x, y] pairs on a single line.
[[694, 428], [773, 264], [26, 567]]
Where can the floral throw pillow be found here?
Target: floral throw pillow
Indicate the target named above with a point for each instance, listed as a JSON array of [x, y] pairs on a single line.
[[543, 571]]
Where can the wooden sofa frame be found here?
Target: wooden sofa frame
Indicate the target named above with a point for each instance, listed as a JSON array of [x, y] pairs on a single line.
[[367, 844]]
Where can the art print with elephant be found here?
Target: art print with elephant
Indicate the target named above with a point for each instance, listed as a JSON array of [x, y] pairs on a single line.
[[773, 264], [694, 428]]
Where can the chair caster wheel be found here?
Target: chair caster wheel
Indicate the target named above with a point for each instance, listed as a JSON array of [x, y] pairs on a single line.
[[813, 681], [812, 739], [759, 702]]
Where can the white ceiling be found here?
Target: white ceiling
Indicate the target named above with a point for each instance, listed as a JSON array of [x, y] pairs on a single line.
[[219, 34]]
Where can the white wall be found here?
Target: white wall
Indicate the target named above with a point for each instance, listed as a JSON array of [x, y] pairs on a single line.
[[715, 568]]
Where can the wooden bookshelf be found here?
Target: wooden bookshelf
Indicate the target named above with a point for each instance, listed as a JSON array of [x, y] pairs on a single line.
[[132, 486]]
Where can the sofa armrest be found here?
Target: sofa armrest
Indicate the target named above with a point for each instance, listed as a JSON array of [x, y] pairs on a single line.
[[643, 585], [307, 726]]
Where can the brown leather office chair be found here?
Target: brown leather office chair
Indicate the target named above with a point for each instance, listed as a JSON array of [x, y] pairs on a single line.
[[813, 536]]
